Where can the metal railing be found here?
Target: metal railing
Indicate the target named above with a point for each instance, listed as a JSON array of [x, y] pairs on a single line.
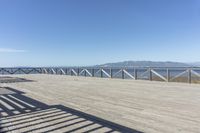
[[25, 70], [170, 74]]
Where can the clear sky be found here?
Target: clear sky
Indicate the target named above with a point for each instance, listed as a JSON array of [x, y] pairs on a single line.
[[87, 32]]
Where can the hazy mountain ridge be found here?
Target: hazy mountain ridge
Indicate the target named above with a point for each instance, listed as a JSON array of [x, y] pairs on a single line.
[[195, 64], [146, 64]]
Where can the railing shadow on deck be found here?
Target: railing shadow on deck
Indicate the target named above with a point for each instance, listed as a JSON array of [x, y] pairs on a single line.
[[20, 113], [8, 79]]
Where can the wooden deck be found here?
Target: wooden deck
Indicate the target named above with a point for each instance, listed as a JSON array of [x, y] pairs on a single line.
[[56, 103]]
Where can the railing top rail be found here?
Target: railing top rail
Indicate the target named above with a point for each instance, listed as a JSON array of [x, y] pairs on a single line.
[[138, 67], [145, 67], [20, 67]]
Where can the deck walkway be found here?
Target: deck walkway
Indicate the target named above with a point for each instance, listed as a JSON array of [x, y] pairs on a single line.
[[56, 103]]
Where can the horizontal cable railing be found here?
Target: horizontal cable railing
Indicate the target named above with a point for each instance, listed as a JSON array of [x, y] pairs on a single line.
[[167, 74]]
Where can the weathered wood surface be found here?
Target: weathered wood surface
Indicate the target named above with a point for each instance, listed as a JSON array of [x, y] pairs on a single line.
[[141, 105]]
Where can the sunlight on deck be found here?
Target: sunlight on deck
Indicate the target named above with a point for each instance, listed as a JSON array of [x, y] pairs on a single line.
[[59, 103]]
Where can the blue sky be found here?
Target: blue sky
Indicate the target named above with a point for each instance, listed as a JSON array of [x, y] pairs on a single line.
[[87, 32]]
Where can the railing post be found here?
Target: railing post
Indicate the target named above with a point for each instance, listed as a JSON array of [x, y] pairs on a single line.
[[111, 73], [189, 76], [101, 73], [168, 75], [47, 70], [66, 71], [135, 73], [41, 71], [92, 72], [122, 73], [61, 73], [150, 74], [85, 74], [56, 71], [78, 71]]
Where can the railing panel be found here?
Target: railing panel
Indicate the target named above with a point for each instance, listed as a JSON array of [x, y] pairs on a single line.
[[179, 75], [159, 74], [117, 73], [143, 73]]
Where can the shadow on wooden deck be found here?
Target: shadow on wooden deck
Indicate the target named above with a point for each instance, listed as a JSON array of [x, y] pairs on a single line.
[[20, 113], [7, 79]]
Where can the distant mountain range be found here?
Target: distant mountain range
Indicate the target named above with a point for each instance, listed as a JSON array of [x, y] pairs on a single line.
[[195, 64], [148, 64]]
